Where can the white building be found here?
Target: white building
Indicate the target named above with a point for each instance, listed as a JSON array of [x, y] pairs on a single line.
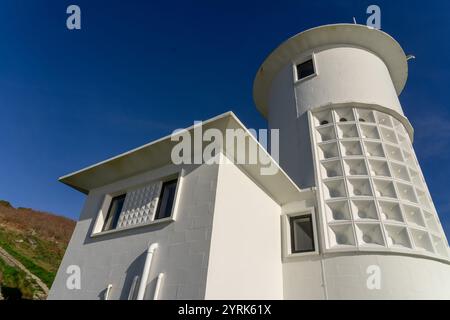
[[350, 217]]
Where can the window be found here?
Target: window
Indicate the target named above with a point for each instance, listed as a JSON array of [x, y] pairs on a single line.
[[305, 69], [117, 213], [166, 199], [302, 234], [115, 208], [298, 230]]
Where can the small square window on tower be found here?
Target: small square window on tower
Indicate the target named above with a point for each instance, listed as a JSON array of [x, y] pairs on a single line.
[[299, 232], [302, 234], [305, 69]]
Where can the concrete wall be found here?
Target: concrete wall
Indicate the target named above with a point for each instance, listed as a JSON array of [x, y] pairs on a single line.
[[116, 258], [347, 74], [346, 276], [245, 258], [295, 146]]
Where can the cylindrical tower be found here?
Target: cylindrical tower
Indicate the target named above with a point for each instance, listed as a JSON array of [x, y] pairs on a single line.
[[333, 93]]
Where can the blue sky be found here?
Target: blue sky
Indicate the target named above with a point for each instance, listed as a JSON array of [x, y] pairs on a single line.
[[139, 69]]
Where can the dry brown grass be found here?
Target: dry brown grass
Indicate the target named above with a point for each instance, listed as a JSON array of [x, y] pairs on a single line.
[[38, 240], [44, 225]]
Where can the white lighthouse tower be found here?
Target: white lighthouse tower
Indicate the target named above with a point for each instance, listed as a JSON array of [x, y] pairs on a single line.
[[345, 215], [333, 93]]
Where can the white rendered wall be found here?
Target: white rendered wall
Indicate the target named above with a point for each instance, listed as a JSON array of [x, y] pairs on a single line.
[[345, 275], [347, 74], [245, 257], [116, 258], [294, 143], [344, 75]]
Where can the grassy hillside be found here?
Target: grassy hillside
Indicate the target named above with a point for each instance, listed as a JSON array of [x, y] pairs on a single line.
[[38, 241]]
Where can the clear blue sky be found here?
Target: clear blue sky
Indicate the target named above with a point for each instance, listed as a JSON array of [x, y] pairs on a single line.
[[139, 69]]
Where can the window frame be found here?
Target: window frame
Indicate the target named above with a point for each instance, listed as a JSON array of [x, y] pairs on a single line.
[[287, 233], [295, 63], [102, 214], [158, 205], [108, 213], [292, 220]]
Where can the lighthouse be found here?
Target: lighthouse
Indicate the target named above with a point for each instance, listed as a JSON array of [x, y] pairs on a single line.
[[332, 91], [346, 214]]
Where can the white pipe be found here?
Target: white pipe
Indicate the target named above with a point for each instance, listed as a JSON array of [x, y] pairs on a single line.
[[158, 286], [108, 290], [132, 292], [146, 271]]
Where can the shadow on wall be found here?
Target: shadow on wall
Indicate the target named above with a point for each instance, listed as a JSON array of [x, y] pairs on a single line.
[[135, 269]]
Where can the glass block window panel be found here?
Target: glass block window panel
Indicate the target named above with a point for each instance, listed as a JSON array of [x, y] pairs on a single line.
[[371, 188], [140, 205]]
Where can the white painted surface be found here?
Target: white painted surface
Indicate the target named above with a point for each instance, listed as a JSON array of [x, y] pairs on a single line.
[[159, 283], [346, 275], [145, 272], [245, 256], [226, 240], [377, 41], [302, 279], [116, 258], [293, 130], [347, 74]]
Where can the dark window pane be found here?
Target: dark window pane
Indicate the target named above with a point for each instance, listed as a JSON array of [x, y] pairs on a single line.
[[302, 235], [115, 208], [305, 69], [166, 199]]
